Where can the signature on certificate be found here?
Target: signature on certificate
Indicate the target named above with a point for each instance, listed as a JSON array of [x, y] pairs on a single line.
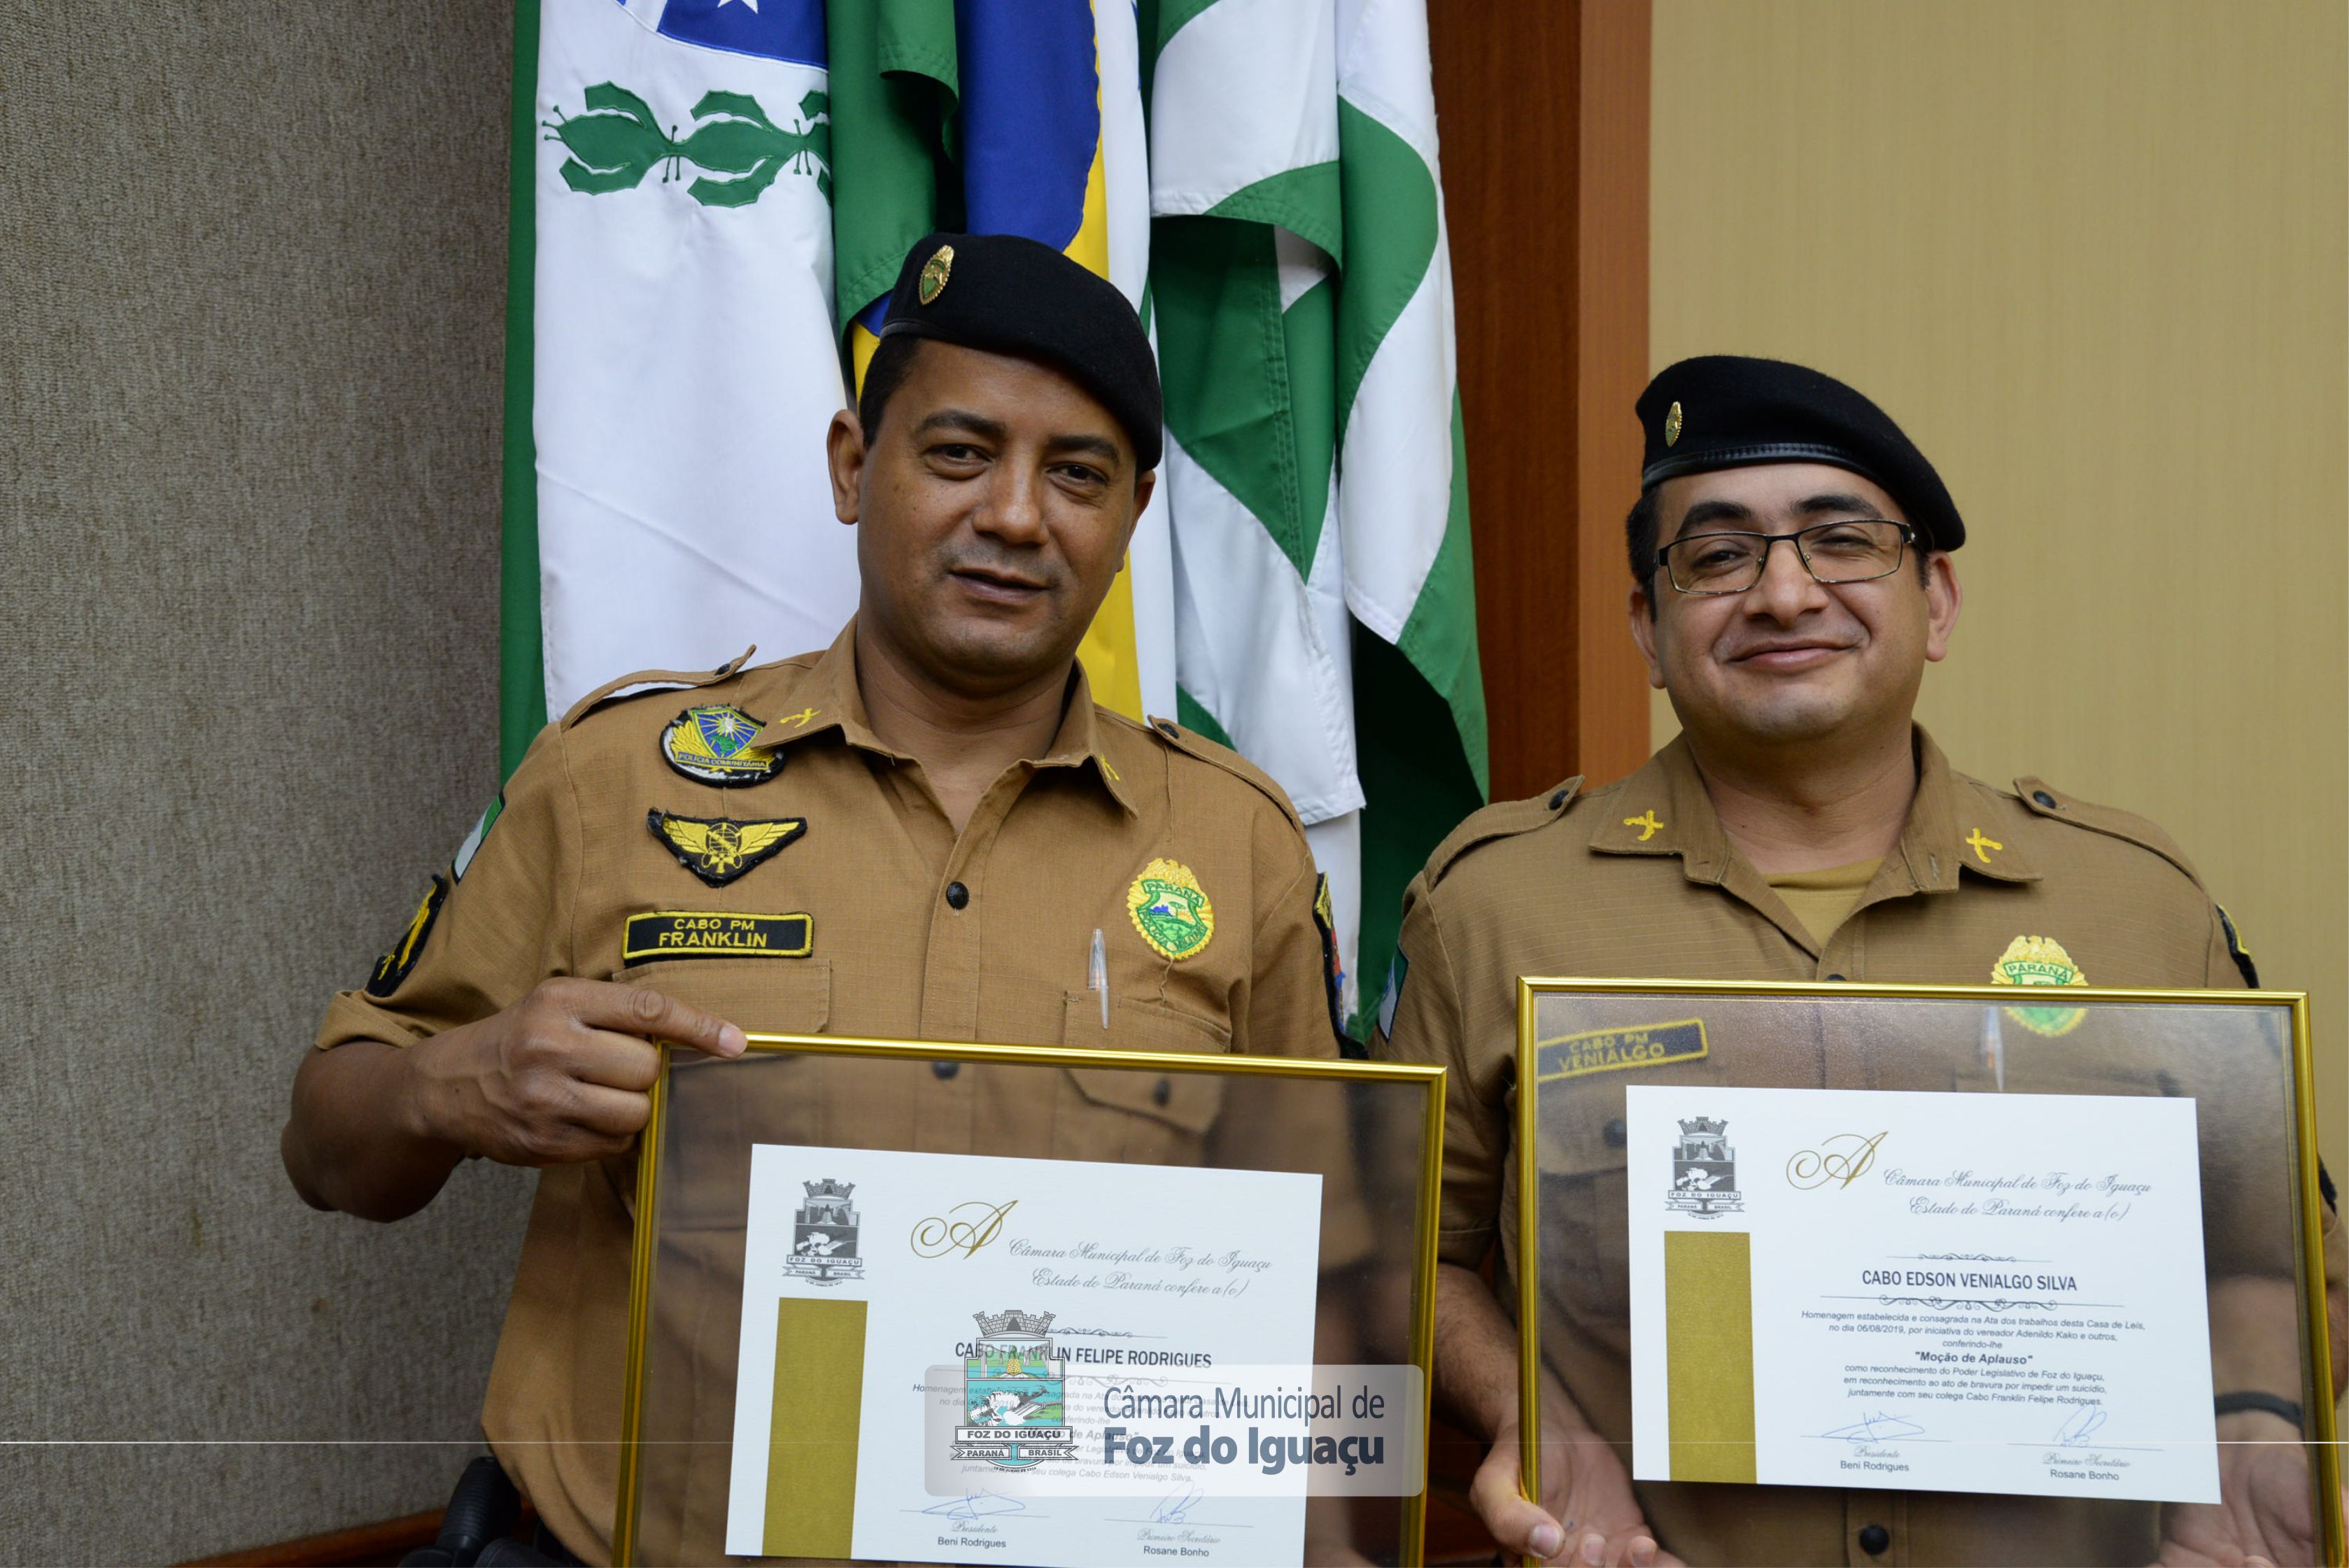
[[2082, 1424], [976, 1505], [1875, 1428], [1176, 1507]]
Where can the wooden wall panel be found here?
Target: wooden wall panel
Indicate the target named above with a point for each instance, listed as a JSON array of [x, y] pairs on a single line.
[[1543, 110]]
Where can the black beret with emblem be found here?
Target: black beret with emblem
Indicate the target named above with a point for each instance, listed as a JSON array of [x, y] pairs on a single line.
[[1003, 293], [1727, 412]]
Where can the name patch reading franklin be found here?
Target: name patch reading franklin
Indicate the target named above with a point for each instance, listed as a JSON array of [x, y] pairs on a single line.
[[1611, 1050], [701, 933]]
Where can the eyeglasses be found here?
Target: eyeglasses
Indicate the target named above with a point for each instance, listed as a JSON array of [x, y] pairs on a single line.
[[1857, 551]]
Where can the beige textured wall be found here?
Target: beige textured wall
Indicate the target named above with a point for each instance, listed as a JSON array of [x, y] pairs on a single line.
[[2091, 254], [251, 294]]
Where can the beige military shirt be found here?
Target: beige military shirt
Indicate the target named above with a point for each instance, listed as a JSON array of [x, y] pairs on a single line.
[[764, 856], [1638, 880]]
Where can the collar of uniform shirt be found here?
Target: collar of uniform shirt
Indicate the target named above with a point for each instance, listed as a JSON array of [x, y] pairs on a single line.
[[1671, 814], [816, 700], [1944, 815]]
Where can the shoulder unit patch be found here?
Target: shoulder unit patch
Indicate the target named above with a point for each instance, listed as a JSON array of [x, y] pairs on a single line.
[[1171, 911], [394, 966], [718, 852], [712, 744]]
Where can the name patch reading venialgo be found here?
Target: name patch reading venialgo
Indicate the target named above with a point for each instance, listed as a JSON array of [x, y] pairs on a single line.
[[703, 933], [1612, 1050]]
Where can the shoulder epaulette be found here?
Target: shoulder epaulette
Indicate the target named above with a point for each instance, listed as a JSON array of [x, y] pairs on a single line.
[[660, 680], [1502, 820], [1191, 743], [2041, 799]]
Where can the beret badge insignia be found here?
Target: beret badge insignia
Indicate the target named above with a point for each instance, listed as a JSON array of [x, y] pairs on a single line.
[[935, 273], [1171, 911], [712, 744], [1673, 426], [2040, 961]]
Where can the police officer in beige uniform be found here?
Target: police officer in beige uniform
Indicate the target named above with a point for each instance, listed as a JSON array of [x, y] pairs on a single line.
[[1791, 560], [915, 833]]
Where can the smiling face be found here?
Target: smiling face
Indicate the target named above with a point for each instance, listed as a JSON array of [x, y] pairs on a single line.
[[992, 509], [1791, 659]]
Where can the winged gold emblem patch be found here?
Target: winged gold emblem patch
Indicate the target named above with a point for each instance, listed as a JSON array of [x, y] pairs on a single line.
[[719, 851]]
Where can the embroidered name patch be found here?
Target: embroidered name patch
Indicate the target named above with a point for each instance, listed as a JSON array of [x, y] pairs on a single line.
[[705, 934], [1612, 1050]]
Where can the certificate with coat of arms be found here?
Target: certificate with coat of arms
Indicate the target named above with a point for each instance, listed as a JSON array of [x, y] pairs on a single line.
[[917, 1328], [1919, 1291]]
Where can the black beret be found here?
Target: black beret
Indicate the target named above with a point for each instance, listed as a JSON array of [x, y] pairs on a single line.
[[1004, 293], [1726, 411]]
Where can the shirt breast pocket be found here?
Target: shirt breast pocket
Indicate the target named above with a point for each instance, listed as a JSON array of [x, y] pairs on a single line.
[[1138, 1118], [759, 996]]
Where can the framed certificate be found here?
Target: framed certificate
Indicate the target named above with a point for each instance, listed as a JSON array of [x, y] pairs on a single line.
[[1995, 1270], [914, 1301]]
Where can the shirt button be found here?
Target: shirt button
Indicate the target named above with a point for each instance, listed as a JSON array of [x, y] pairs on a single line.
[[1613, 1132], [958, 896], [2044, 799], [1162, 1092], [1874, 1539], [944, 1070]]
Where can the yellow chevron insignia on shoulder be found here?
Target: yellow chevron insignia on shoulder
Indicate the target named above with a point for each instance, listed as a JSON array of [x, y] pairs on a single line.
[[719, 851], [712, 744]]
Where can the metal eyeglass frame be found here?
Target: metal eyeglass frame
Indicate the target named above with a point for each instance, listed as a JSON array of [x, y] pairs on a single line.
[[1900, 559]]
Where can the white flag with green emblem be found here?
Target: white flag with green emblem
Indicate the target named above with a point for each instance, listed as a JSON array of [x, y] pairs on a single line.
[[1324, 596], [680, 349]]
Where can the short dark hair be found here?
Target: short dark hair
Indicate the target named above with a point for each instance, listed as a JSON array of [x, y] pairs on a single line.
[[892, 362], [1639, 537]]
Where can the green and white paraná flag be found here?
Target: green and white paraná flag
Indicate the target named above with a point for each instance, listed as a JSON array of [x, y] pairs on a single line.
[[1325, 601], [671, 363]]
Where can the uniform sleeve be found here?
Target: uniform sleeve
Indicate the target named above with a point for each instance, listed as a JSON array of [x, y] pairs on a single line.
[[488, 927], [1289, 998], [1421, 1020]]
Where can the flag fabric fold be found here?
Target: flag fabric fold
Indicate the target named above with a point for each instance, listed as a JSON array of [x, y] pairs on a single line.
[[1324, 596]]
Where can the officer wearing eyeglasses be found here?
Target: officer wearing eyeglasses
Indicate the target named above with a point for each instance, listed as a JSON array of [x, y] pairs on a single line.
[[1791, 575]]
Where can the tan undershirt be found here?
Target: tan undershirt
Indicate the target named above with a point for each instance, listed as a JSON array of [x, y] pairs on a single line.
[[1821, 899]]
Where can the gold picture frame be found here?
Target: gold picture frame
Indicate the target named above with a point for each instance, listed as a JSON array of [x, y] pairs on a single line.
[[2322, 1436], [1429, 1080]]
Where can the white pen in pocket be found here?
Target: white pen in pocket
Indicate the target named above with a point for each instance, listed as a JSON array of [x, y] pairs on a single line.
[[1097, 973]]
